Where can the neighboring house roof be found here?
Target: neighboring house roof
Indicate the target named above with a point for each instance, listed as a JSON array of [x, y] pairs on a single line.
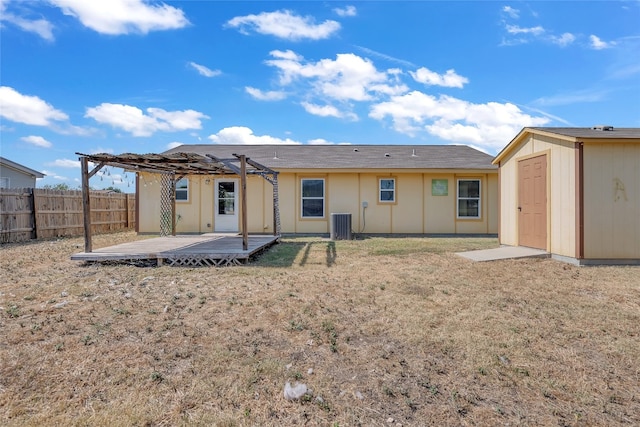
[[13, 165], [595, 133], [280, 157]]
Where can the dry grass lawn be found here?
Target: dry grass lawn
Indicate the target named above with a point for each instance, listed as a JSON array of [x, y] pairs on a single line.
[[384, 332]]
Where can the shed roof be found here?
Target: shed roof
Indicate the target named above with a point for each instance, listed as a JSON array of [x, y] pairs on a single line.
[[279, 157], [573, 134], [17, 166], [591, 133]]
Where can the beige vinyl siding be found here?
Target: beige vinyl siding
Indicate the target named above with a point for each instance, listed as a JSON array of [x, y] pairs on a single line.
[[612, 200], [289, 202], [492, 203], [347, 187], [407, 213], [149, 206], [439, 211], [205, 204]]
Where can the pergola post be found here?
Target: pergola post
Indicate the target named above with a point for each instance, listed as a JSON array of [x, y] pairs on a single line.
[[276, 206], [86, 204], [243, 201], [173, 205]]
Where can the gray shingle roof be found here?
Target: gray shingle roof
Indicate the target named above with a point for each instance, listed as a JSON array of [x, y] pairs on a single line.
[[279, 157]]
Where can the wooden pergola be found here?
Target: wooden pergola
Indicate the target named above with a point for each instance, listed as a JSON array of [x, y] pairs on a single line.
[[174, 167]]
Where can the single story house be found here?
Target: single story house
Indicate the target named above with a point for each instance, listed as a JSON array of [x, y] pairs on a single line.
[[574, 192], [387, 189], [15, 175]]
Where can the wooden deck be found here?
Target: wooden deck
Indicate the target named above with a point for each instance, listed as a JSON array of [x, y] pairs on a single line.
[[213, 250]]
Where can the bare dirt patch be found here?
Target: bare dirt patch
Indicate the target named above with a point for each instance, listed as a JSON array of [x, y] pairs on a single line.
[[382, 332]]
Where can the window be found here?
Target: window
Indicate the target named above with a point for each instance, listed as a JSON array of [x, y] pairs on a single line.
[[226, 198], [4, 182], [182, 190], [468, 198], [313, 198], [387, 190]]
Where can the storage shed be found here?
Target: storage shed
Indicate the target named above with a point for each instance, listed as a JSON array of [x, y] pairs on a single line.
[[574, 192]]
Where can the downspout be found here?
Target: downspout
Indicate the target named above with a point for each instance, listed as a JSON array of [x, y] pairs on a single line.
[[499, 202], [579, 165]]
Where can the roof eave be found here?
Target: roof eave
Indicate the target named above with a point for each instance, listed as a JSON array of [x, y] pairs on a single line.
[[21, 168]]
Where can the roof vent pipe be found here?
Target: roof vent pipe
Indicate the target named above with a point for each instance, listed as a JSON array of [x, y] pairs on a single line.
[[387, 155], [275, 155], [413, 153], [602, 127]]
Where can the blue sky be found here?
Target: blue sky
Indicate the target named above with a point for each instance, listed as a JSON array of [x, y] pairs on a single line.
[[139, 76]]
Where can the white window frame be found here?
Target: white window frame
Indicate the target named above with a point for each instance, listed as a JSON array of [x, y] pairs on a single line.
[[184, 189], [303, 198], [479, 198], [392, 190]]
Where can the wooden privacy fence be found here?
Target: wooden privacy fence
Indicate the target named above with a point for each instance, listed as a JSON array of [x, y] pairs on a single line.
[[37, 213]]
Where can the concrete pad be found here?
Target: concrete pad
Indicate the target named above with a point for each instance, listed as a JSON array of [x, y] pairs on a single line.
[[504, 252]]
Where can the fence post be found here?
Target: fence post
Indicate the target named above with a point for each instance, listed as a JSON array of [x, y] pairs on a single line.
[[35, 213], [126, 211]]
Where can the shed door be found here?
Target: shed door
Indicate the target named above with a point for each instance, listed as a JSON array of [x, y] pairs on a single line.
[[226, 205], [532, 202]]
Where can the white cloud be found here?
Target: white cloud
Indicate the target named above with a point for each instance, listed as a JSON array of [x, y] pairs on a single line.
[[513, 13], [598, 44], [41, 27], [117, 17], [100, 150], [431, 78], [327, 111], [576, 97], [346, 11], [55, 176], [244, 135], [488, 125], [514, 29], [204, 71], [38, 141], [319, 141], [27, 109], [265, 95], [64, 163], [347, 78], [135, 121], [173, 145], [390, 58], [178, 120], [285, 25], [563, 40]]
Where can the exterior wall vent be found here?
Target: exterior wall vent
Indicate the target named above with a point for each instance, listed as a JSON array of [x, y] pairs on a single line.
[[602, 127]]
